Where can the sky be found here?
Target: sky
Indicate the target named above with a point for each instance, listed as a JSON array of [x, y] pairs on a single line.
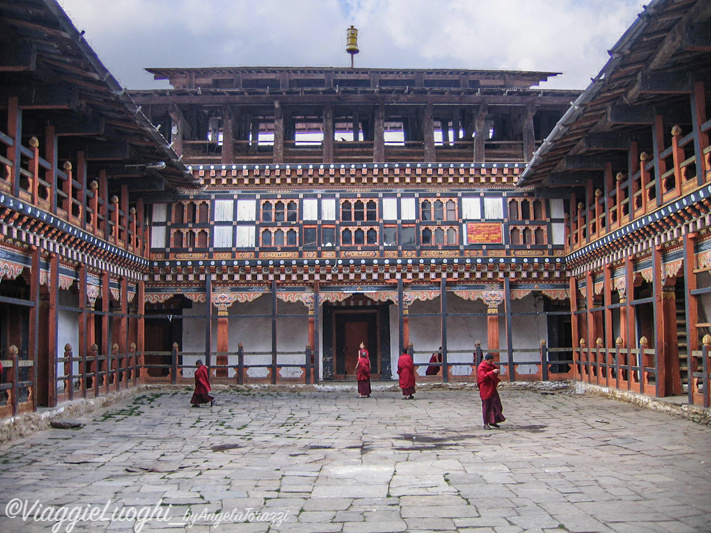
[[567, 36]]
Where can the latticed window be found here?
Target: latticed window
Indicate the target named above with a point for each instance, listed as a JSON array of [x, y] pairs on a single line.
[[267, 213]]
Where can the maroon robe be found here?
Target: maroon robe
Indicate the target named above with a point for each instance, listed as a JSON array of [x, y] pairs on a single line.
[[487, 379], [434, 370], [406, 371], [202, 387], [363, 373]]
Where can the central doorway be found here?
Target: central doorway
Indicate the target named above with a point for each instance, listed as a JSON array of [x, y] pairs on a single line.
[[345, 325], [352, 328]]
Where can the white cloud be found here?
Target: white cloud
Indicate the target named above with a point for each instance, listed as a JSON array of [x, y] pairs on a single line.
[[569, 36]]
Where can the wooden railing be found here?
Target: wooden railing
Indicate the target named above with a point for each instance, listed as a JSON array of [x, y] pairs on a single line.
[[628, 198], [34, 180], [17, 385], [243, 368]]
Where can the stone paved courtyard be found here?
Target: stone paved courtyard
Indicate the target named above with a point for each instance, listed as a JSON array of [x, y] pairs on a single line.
[[330, 462]]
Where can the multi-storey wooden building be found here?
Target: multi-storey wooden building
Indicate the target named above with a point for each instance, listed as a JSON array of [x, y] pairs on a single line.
[[268, 220]]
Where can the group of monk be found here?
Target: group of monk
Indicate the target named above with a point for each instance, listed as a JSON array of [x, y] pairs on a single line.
[[487, 380]]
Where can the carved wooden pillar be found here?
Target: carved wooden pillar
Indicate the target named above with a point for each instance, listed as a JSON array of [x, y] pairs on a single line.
[[529, 136], [228, 136], [223, 342], [379, 135], [480, 134], [278, 154], [328, 133], [671, 385], [428, 134]]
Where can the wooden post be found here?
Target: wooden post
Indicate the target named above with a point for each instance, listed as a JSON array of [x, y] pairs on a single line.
[[274, 330], [600, 361], [644, 180], [105, 324], [705, 352], [141, 326], [34, 168], [223, 342], [34, 327], [701, 139], [428, 134], [644, 363], [133, 363], [677, 158], [68, 372], [692, 306], [240, 363], [443, 327], [50, 176], [328, 133], [95, 368], [379, 135], [174, 364], [278, 154], [618, 355], [115, 352], [14, 129], [13, 352], [544, 360], [52, 329], [575, 334], [584, 361]]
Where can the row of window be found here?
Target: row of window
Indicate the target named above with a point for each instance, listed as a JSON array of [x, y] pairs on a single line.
[[277, 237], [349, 210]]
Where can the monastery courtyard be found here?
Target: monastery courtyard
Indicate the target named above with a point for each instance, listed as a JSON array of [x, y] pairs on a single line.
[[326, 461]]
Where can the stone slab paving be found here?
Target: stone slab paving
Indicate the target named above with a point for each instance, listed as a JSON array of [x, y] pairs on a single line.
[[327, 461]]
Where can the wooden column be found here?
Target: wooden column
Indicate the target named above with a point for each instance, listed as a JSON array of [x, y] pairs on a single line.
[[660, 348], [574, 329], [223, 340], [83, 320], [607, 301], [208, 320], [492, 329], [379, 135], [53, 329], [316, 354], [228, 136], [179, 130], [14, 129], [278, 153], [328, 133], [274, 330], [701, 139], [630, 312], [51, 156], [529, 134], [33, 344], [141, 326], [105, 341], [509, 328], [443, 322], [670, 361], [428, 134], [480, 134]]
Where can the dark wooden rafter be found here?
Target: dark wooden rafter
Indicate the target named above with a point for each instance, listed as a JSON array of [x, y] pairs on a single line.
[[17, 57]]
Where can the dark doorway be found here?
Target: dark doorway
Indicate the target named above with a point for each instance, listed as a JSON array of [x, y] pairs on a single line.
[[352, 328]]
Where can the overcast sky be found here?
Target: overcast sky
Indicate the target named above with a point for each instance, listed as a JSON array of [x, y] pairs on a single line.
[[568, 36]]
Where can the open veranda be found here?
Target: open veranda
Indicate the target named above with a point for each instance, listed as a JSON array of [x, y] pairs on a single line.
[[327, 461]]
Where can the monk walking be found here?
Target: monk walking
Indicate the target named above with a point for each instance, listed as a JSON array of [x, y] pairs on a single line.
[[363, 372], [406, 371], [488, 379], [202, 386]]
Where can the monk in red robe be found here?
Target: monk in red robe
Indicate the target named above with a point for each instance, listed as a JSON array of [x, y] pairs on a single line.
[[433, 370], [202, 386], [488, 379], [406, 371], [363, 372]]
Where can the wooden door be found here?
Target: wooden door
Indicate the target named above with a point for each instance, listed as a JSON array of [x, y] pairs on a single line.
[[354, 334]]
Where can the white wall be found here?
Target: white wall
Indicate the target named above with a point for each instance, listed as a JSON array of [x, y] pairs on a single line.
[[68, 331]]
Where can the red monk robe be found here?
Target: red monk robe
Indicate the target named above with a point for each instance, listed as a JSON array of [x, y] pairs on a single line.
[[488, 379], [202, 386], [363, 373], [406, 371]]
